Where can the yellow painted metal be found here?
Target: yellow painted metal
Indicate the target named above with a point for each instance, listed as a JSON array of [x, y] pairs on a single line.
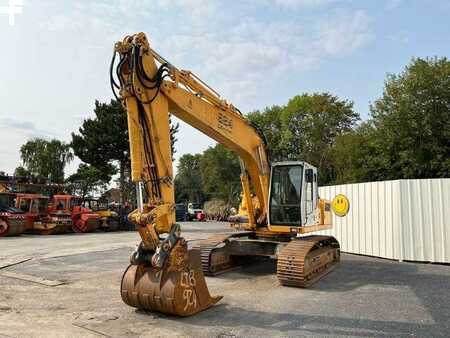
[[191, 100], [150, 150], [135, 139], [247, 200], [225, 125], [340, 205], [149, 100], [205, 111]]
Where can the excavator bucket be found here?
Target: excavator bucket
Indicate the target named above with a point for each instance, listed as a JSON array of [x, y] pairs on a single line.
[[178, 288]]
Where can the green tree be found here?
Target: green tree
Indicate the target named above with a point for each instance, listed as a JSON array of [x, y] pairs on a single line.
[[269, 121], [306, 129], [221, 174], [214, 174], [354, 156], [21, 172], [46, 160], [88, 180], [412, 121], [102, 141], [188, 181]]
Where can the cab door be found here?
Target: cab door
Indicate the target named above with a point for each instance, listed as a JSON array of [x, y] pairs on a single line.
[[285, 196]]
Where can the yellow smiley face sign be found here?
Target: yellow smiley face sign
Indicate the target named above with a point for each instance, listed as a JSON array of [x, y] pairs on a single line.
[[340, 205]]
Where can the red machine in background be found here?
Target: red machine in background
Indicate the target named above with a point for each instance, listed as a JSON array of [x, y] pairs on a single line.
[[12, 220], [83, 219], [38, 219]]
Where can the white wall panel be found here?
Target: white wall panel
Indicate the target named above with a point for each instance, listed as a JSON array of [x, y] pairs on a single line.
[[402, 219]]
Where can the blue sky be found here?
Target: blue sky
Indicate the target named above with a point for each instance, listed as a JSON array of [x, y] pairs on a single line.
[[256, 53]]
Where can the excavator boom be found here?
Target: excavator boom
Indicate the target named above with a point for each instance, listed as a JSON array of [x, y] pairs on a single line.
[[164, 274]]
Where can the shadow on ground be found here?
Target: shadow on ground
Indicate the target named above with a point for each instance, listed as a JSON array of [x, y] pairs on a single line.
[[431, 288]]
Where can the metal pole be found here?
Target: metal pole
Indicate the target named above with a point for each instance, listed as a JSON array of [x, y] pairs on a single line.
[[139, 196]]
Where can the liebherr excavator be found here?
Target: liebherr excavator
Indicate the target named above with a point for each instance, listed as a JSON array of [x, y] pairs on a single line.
[[281, 199]]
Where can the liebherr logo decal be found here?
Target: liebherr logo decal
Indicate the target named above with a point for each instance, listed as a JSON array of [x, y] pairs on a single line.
[[224, 122]]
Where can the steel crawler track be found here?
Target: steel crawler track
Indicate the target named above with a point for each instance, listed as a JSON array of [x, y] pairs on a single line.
[[215, 258], [301, 262], [305, 260]]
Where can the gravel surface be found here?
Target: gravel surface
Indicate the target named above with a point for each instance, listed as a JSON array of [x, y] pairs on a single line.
[[79, 295]]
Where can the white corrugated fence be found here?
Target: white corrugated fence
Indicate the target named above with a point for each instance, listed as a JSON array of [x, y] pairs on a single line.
[[402, 219]]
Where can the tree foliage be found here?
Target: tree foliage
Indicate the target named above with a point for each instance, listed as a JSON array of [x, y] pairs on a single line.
[[411, 121], [102, 141], [21, 172], [46, 160], [270, 123], [353, 156], [306, 130], [88, 180], [214, 174], [220, 174], [188, 181], [406, 136]]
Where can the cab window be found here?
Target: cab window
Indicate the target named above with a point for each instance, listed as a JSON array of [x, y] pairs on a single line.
[[285, 195], [75, 202], [42, 205], [24, 205], [61, 205], [34, 206]]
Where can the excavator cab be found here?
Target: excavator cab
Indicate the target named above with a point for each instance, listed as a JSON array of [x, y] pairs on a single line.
[[293, 194]]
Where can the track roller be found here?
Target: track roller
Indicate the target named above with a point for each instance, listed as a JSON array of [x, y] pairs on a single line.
[[307, 259]]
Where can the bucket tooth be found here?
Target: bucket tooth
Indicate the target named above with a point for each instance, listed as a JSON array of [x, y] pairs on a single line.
[[179, 288]]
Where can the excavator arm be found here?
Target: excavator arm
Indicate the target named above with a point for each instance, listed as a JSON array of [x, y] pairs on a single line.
[[152, 89]]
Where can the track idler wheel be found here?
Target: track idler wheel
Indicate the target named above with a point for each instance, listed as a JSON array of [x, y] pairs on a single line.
[[178, 288]]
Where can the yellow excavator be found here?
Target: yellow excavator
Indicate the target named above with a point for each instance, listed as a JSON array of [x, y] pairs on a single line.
[[281, 199]]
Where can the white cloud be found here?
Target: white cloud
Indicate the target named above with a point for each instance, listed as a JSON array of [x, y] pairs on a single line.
[[16, 132], [393, 4], [344, 33], [231, 45], [290, 4], [196, 9], [26, 128], [399, 37], [232, 51], [244, 59]]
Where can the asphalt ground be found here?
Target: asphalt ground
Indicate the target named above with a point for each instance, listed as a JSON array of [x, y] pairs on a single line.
[[68, 286]]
